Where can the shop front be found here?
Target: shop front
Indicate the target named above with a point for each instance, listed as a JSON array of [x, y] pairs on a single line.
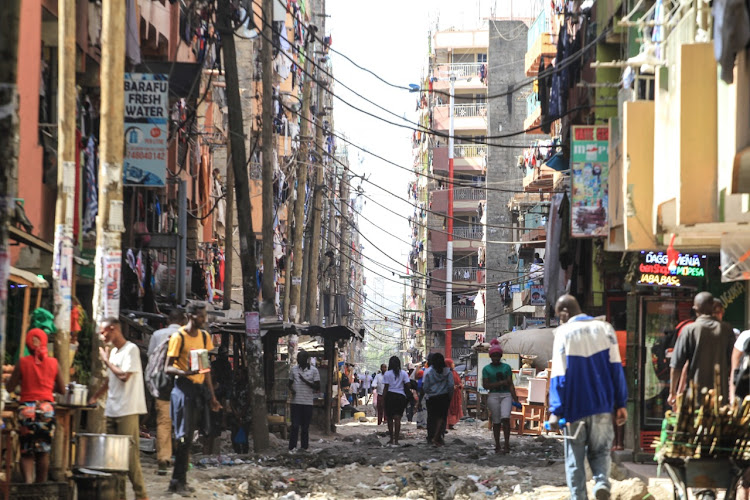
[[656, 308]]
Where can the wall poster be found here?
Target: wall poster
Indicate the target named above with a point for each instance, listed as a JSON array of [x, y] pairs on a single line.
[[590, 181]]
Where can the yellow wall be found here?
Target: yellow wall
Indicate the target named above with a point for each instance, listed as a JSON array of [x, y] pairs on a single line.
[[638, 179]]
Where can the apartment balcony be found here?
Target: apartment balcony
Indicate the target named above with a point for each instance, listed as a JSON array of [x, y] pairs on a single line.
[[539, 179], [468, 76], [465, 117], [533, 114], [467, 158], [462, 277], [465, 239], [464, 199], [541, 43], [535, 238]]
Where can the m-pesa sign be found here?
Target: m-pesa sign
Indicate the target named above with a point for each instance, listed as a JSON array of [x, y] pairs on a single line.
[[654, 270]]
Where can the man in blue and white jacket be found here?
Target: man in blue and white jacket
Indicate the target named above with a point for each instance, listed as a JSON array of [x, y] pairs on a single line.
[[588, 384]]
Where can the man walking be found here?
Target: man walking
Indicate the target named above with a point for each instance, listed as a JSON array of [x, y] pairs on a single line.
[[126, 397], [163, 420], [304, 381], [703, 345], [587, 385], [379, 384], [193, 395]]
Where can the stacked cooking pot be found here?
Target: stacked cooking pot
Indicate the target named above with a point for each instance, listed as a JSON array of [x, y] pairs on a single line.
[[101, 461]]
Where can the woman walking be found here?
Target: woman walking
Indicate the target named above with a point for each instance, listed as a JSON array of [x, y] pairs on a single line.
[[497, 377], [455, 411], [438, 388], [395, 383]]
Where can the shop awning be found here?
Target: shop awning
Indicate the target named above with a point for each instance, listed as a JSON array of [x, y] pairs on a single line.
[[29, 239], [26, 278]]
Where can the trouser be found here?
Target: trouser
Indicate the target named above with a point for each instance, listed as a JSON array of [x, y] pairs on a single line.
[[437, 409], [594, 441], [163, 431], [410, 406], [128, 426], [189, 410], [301, 417], [381, 408]]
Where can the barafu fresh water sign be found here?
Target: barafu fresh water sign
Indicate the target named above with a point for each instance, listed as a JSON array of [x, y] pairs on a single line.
[[146, 121]]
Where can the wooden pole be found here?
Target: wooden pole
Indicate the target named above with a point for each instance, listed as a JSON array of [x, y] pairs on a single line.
[[268, 307], [228, 230], [62, 269], [346, 245], [317, 215], [109, 220], [247, 236], [9, 20], [303, 159]]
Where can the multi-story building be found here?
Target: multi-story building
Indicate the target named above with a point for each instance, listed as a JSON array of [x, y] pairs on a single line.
[[461, 56]]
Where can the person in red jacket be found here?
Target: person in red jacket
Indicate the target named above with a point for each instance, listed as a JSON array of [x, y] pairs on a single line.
[[39, 375]]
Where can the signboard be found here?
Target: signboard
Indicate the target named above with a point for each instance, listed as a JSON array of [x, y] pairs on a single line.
[[470, 380], [590, 180], [653, 270], [111, 290], [538, 297], [252, 325], [146, 120]]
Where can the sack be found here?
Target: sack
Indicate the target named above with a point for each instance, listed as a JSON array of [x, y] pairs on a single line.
[[158, 382], [742, 373]]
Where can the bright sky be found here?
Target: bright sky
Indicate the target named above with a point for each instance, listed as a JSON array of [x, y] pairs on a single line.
[[390, 37]]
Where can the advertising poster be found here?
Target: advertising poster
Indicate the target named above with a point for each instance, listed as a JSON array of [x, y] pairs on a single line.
[[590, 181], [538, 298], [111, 289], [252, 325], [146, 122]]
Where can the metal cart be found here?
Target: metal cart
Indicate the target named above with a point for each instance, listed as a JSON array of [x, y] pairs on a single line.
[[704, 475]]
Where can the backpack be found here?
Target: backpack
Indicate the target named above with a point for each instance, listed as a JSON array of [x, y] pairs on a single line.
[[742, 373], [158, 382]]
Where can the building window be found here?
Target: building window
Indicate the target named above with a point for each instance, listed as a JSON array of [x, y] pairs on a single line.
[[481, 58]]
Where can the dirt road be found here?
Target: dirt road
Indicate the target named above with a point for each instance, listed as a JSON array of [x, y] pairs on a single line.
[[355, 463]]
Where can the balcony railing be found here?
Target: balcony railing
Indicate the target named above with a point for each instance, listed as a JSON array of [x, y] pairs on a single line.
[[467, 233], [458, 69], [465, 273], [461, 194], [469, 150], [461, 110], [465, 313], [539, 26], [532, 103]]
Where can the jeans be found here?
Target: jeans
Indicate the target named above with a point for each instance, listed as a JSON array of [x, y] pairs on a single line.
[[594, 441], [128, 426], [301, 417], [190, 412]]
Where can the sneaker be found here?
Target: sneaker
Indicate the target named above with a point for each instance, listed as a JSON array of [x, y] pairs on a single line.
[[602, 494]]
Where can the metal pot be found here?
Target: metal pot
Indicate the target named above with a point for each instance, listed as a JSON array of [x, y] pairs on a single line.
[[108, 452]]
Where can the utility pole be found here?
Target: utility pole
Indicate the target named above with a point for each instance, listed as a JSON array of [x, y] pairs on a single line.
[[344, 250], [330, 259], [62, 269], [317, 215], [268, 307], [109, 219], [303, 158], [9, 19], [247, 236], [228, 230], [303, 315]]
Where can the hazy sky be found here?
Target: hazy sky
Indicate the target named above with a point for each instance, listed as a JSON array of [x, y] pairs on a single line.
[[390, 38]]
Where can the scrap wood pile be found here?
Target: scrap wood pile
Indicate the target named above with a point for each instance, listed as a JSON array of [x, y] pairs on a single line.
[[704, 427]]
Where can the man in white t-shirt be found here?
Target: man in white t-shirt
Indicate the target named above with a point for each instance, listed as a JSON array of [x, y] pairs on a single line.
[[354, 391], [304, 381], [126, 396], [366, 381]]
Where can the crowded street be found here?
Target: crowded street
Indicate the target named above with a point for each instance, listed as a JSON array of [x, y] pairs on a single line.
[[404, 249]]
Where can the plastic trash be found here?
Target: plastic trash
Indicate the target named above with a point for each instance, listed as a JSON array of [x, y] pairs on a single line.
[[560, 423]]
